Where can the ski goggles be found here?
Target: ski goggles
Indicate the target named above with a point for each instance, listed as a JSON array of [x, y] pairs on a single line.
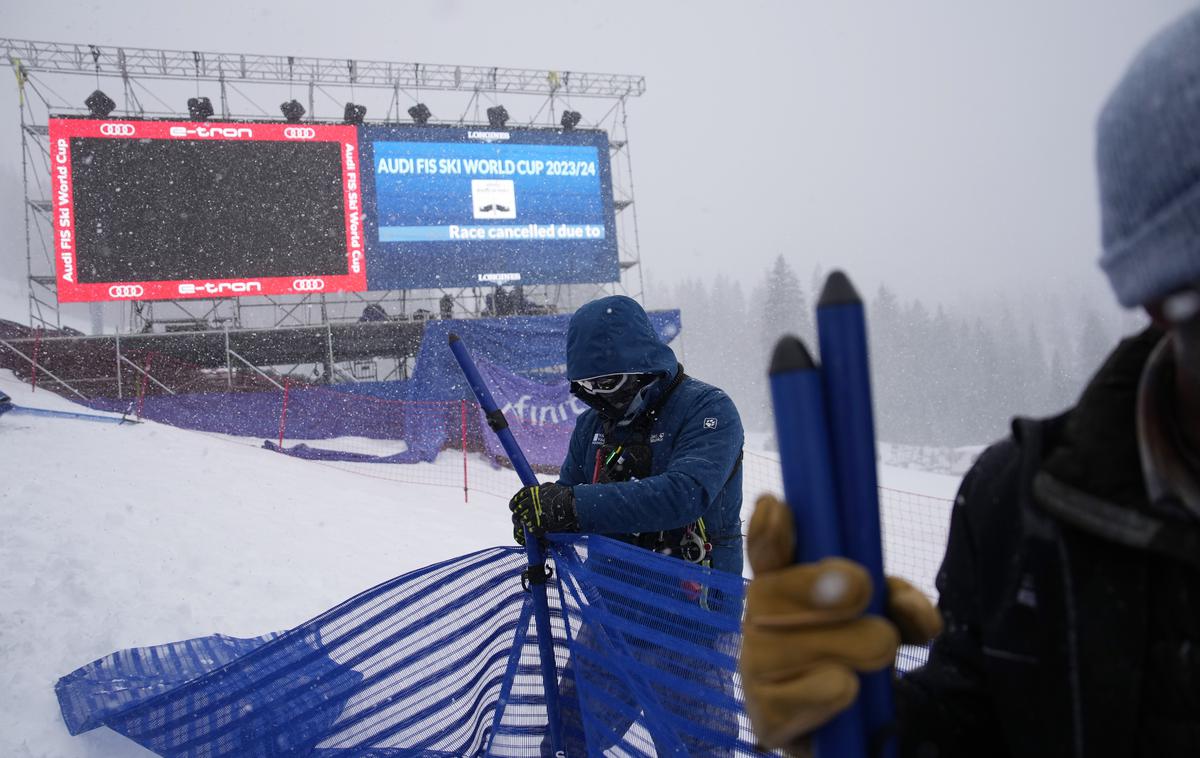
[[604, 385]]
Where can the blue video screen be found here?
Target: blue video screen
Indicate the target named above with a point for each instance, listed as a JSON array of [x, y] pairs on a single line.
[[472, 207]]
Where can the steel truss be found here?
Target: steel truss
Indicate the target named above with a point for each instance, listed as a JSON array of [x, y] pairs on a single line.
[[156, 83]]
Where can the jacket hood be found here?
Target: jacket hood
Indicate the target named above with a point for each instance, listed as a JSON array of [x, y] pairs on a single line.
[[613, 335]]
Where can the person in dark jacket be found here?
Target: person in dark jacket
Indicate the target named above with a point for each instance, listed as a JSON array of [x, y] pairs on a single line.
[[655, 460], [1070, 588]]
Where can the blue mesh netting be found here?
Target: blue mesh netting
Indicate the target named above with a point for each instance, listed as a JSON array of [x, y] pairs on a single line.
[[444, 661]]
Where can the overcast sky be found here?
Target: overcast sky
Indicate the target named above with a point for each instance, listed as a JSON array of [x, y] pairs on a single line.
[[943, 147]]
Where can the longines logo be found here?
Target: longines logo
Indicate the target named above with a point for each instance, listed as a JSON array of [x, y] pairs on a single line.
[[488, 136], [500, 278], [117, 130], [126, 290]]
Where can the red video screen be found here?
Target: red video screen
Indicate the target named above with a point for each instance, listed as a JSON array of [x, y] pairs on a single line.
[[165, 210]]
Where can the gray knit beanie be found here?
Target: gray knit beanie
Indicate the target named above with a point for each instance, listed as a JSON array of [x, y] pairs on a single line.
[[1148, 156]]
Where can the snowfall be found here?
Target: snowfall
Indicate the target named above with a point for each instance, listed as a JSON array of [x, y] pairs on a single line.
[[118, 536]]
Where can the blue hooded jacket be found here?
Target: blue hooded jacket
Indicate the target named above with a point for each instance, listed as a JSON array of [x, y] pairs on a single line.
[[695, 440]]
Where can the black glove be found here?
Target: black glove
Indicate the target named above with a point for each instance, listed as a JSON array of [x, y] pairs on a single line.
[[543, 508]]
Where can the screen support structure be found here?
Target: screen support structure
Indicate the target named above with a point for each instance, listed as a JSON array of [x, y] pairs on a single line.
[[55, 78]]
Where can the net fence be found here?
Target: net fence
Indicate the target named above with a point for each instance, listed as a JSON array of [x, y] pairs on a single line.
[[914, 525], [444, 661]]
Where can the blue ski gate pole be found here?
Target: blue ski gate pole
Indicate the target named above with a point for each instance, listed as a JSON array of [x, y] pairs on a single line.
[[533, 548], [845, 371], [808, 486]]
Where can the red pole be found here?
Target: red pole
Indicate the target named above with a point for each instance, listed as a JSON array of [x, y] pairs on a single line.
[[142, 386], [37, 345], [464, 449], [287, 383]]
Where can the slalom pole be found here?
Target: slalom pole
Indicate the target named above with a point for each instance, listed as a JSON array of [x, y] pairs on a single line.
[[803, 435], [533, 548], [845, 374]]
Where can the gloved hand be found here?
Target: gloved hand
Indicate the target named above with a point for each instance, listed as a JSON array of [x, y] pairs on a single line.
[[805, 637], [543, 508]]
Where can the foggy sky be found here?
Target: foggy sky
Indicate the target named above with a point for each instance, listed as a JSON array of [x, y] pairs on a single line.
[[944, 148]]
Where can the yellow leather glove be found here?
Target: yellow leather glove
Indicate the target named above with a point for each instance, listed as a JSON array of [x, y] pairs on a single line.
[[805, 637]]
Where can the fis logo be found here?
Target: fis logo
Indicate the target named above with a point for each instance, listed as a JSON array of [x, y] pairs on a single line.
[[126, 290], [219, 288], [299, 132], [308, 285], [117, 130]]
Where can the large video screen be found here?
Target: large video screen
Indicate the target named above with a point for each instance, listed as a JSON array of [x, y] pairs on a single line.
[[170, 210], [465, 207]]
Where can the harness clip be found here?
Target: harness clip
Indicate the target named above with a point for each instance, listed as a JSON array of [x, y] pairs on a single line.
[[535, 575]]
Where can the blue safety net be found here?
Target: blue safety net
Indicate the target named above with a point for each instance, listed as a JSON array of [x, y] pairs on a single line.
[[445, 661]]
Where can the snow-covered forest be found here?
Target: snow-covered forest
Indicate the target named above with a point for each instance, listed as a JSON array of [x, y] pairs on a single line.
[[944, 376]]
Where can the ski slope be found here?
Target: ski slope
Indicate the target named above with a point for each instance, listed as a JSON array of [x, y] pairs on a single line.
[[121, 536]]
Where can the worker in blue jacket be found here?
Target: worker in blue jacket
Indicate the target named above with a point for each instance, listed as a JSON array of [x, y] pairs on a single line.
[[656, 460]]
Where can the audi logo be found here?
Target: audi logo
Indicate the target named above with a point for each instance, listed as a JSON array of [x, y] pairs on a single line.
[[308, 285], [299, 132], [117, 130], [126, 290]]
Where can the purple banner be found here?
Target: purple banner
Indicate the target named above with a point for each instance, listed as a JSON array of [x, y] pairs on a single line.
[[541, 415]]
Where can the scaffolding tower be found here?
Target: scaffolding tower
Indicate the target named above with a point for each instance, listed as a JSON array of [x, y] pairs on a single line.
[[156, 83]]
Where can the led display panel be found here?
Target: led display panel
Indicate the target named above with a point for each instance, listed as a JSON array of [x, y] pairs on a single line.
[[147, 210], [467, 207]]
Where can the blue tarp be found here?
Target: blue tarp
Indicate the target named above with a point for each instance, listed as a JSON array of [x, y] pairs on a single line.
[[309, 453], [428, 418], [518, 344]]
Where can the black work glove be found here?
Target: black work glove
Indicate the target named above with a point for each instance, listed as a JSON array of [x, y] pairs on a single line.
[[543, 508]]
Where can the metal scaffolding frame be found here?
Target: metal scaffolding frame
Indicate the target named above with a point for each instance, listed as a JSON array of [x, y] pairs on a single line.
[[151, 63], [155, 83]]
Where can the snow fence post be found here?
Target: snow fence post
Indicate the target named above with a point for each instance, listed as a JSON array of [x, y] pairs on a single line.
[[533, 547], [142, 384], [803, 434], [466, 497], [37, 345], [287, 383], [845, 375], [120, 389]]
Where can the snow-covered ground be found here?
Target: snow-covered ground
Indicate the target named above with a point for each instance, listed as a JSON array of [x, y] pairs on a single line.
[[120, 536]]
